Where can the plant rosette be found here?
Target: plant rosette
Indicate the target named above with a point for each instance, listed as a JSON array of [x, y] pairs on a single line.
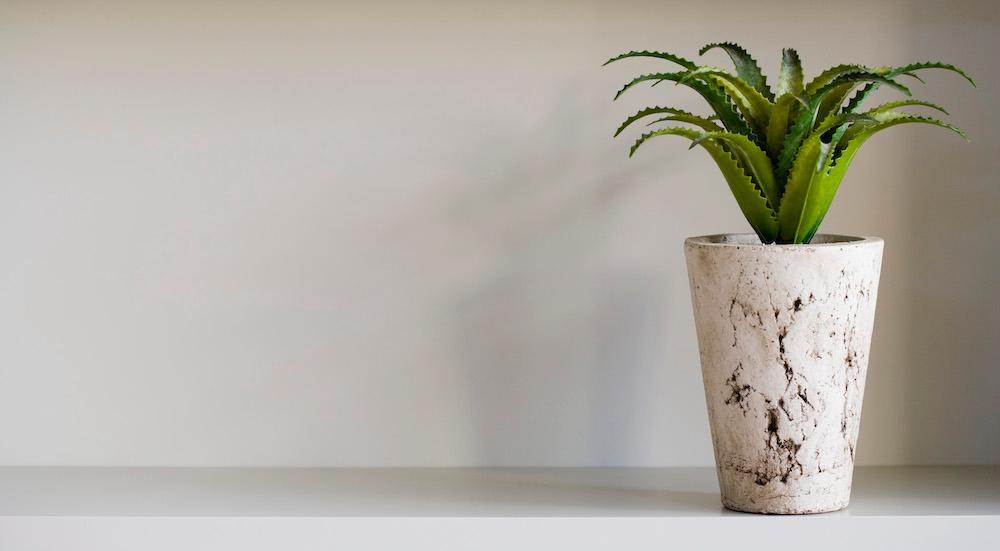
[[784, 316]]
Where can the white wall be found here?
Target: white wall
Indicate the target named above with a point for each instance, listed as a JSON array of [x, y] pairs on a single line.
[[295, 233]]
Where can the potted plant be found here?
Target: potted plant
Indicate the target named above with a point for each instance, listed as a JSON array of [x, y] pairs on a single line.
[[784, 316]]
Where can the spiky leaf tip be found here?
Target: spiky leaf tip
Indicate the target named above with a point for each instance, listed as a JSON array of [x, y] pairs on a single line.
[[645, 78], [686, 63], [790, 73], [931, 65], [676, 115], [890, 105], [646, 112], [746, 66]]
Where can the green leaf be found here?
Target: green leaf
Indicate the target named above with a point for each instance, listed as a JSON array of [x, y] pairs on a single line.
[[798, 190], [801, 200], [831, 74], [717, 99], [839, 119], [855, 102], [710, 118], [888, 106], [814, 180], [753, 160], [686, 63], [790, 74], [807, 116], [746, 67], [676, 77], [889, 119], [712, 94], [831, 103], [689, 133], [837, 93], [837, 167], [896, 71], [685, 116], [807, 194], [704, 123], [777, 126], [755, 108], [749, 198]]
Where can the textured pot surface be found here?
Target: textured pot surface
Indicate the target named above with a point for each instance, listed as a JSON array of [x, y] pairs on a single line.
[[784, 333]]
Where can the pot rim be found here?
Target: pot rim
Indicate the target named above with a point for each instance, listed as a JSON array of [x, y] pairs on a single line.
[[752, 242]]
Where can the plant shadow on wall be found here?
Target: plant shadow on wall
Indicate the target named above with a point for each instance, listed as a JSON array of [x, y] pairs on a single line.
[[556, 344]]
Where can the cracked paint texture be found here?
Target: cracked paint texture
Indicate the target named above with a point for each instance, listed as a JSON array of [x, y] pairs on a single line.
[[784, 333]]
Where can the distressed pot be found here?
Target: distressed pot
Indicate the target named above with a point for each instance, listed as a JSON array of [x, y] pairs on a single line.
[[784, 333]]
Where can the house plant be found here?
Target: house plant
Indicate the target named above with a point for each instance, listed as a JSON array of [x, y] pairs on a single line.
[[784, 316]]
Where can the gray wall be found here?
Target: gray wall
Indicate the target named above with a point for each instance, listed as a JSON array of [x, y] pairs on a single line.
[[401, 234]]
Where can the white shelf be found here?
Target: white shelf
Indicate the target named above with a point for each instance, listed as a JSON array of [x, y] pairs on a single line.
[[552, 509]]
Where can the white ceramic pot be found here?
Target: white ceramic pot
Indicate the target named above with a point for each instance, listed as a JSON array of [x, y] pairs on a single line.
[[784, 333]]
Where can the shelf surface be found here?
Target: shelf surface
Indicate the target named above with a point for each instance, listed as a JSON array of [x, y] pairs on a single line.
[[472, 492], [469, 508]]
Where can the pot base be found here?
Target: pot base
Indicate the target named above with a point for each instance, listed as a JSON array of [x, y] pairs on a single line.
[[765, 510], [811, 492]]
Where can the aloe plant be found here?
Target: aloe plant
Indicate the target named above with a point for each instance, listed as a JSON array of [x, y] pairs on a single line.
[[783, 152]]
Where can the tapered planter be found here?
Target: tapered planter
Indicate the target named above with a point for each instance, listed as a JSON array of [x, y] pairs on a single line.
[[784, 333]]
